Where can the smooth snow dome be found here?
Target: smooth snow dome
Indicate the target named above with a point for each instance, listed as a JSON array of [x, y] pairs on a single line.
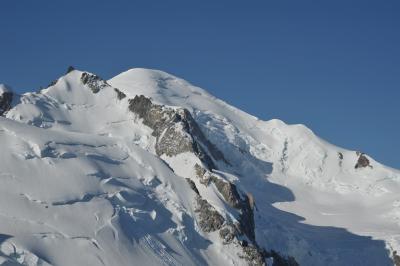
[[82, 182]]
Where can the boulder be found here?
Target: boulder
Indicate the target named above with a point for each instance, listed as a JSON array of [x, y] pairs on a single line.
[[362, 161]]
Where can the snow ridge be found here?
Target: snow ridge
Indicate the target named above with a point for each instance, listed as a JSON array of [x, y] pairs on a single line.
[[146, 168]]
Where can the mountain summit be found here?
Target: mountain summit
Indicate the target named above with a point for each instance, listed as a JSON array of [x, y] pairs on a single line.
[[147, 169]]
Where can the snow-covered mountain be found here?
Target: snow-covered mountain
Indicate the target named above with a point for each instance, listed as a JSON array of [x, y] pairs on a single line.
[[147, 169]]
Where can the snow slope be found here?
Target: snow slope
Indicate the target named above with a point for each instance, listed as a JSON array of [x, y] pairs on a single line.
[[83, 174]]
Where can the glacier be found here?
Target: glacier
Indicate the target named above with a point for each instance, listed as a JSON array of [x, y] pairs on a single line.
[[148, 169]]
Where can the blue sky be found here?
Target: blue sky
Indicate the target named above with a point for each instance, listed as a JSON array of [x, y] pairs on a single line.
[[331, 65]]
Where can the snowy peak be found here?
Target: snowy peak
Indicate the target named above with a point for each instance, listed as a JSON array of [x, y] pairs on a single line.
[[158, 171], [161, 87], [75, 87], [78, 101]]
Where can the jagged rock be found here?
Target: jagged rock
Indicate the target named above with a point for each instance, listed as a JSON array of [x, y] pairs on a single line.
[[192, 186], [175, 130], [95, 83], [244, 243], [228, 191], [252, 255], [246, 206], [209, 219], [228, 234], [396, 258], [173, 142], [362, 161], [246, 219], [6, 97], [201, 173], [120, 94], [231, 196]]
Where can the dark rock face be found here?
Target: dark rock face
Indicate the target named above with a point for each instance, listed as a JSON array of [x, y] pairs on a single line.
[[362, 161], [120, 94], [175, 130], [228, 234], [193, 186], [231, 195], [173, 142], [396, 258], [209, 219], [95, 83], [5, 101], [247, 225], [201, 173], [253, 256], [228, 191]]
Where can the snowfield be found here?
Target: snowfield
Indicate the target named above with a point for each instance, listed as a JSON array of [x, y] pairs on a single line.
[[93, 174]]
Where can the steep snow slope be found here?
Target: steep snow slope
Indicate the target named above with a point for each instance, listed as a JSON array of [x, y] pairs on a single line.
[[85, 198], [90, 168], [327, 187], [77, 199]]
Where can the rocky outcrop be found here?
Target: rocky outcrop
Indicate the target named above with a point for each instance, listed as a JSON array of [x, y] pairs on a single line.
[[247, 225], [209, 219], [192, 186], [6, 97], [231, 233], [257, 256], [175, 130], [396, 258], [231, 196], [362, 161], [201, 174], [228, 234], [120, 94], [228, 191], [94, 82], [252, 255]]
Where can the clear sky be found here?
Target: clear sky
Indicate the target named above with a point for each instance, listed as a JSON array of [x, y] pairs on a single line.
[[331, 65]]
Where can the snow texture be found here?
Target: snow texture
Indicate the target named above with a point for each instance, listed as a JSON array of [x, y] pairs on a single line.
[[83, 184]]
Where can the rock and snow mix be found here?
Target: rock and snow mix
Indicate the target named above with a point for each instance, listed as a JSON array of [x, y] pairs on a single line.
[[147, 169]]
